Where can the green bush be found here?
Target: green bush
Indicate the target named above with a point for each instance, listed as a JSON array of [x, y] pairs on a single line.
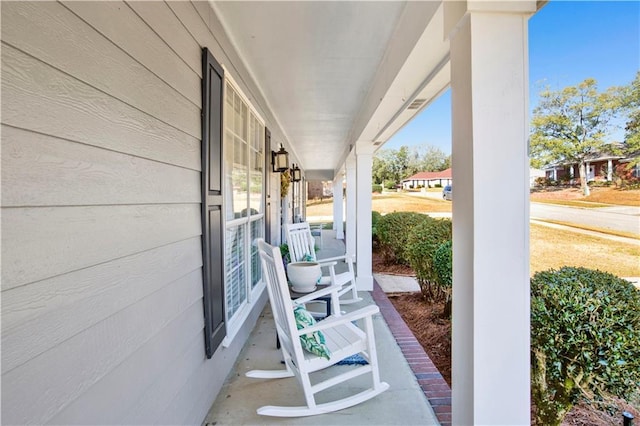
[[375, 218], [392, 230], [442, 266], [422, 242], [585, 339], [376, 188], [389, 184]]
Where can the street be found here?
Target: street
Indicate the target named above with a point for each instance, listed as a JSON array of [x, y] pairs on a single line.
[[618, 218]]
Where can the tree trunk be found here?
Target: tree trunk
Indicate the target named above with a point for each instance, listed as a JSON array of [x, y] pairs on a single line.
[[583, 180]]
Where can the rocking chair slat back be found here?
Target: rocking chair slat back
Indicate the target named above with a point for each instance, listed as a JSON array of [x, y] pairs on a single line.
[[282, 306], [300, 241]]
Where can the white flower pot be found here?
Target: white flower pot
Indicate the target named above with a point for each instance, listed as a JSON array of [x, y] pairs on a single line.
[[303, 276]]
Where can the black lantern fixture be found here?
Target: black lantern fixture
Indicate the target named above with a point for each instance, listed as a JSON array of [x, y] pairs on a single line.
[[296, 174], [280, 160]]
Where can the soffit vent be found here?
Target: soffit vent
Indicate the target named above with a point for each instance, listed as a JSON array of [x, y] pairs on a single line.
[[417, 103], [377, 143]]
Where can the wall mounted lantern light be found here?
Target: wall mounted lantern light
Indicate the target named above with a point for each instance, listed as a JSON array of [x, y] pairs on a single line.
[[280, 160], [296, 174]]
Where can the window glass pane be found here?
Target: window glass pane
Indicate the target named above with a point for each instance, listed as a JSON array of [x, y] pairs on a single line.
[[252, 130], [257, 227], [243, 121], [228, 111], [255, 200], [235, 267], [240, 193], [228, 174]]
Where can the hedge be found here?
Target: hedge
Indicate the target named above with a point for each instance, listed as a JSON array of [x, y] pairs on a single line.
[[585, 339], [422, 242], [392, 230]]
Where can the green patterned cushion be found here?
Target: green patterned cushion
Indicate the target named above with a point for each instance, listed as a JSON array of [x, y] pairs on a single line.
[[311, 342], [308, 258]]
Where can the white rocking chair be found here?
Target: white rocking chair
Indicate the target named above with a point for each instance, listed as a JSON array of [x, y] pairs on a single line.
[[343, 339], [302, 243]]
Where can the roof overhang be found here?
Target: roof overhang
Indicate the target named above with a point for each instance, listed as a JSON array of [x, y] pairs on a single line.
[[339, 75]]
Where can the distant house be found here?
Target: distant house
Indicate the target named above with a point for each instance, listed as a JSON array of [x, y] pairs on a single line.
[[599, 166], [428, 179], [319, 189], [535, 174]]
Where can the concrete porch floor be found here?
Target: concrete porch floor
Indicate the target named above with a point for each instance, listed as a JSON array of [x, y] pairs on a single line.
[[403, 404]]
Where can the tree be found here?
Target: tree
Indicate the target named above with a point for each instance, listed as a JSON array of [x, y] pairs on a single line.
[[433, 159], [630, 103], [570, 124], [395, 165]]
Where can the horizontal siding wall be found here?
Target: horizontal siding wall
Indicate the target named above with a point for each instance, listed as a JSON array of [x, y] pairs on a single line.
[[102, 314]]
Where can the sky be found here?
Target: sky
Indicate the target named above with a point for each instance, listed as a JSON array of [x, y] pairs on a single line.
[[569, 41]]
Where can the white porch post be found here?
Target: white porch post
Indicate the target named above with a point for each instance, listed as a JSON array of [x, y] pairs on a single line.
[[489, 93], [350, 237], [338, 207], [609, 170], [364, 164]]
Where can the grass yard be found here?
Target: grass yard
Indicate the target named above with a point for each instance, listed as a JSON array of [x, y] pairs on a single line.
[[549, 248], [554, 248], [387, 203], [599, 197]]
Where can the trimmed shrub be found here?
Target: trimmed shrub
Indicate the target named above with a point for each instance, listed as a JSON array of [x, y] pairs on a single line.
[[585, 339], [442, 266], [392, 230], [422, 243], [376, 188], [389, 184], [375, 218]]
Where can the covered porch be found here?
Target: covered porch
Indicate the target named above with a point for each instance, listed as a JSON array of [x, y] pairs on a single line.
[[139, 137], [351, 94], [418, 394]]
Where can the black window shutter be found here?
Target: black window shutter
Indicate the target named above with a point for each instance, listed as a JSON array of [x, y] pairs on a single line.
[[212, 203], [267, 189]]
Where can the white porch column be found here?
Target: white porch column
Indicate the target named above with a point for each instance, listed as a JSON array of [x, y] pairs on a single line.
[[350, 237], [364, 164], [555, 173], [489, 94], [338, 207], [609, 170]]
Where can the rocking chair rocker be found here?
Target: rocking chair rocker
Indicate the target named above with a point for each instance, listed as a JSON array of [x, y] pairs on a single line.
[[342, 338]]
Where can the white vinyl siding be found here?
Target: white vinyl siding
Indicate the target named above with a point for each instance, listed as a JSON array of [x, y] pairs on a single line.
[[102, 310]]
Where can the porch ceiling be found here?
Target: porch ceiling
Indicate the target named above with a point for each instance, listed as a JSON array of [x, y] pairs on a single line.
[[337, 74]]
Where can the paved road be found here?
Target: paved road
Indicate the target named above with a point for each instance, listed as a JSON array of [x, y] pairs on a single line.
[[625, 219], [618, 218]]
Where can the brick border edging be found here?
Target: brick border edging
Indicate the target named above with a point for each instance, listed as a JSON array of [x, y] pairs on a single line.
[[435, 388]]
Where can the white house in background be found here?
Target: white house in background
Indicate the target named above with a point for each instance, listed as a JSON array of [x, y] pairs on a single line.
[[428, 179], [136, 172], [535, 174]]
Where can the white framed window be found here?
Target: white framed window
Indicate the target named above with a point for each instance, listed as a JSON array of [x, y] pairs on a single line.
[[244, 186]]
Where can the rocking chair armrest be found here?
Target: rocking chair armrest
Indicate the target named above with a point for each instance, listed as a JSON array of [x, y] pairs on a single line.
[[332, 321], [318, 293], [343, 258], [323, 264]]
